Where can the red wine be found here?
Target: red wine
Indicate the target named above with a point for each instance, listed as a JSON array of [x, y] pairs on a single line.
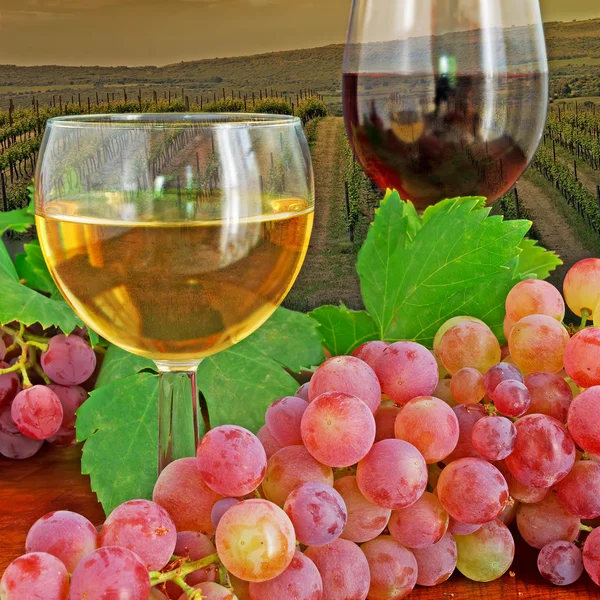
[[434, 137]]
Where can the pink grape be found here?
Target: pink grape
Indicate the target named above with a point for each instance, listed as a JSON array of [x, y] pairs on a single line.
[[317, 512], [468, 344], [255, 540], [7, 425], [393, 474], [64, 534], [561, 563], [534, 297], [241, 588], [472, 491], [583, 419], [537, 343], [188, 500], [457, 528], [71, 398], [511, 398], [365, 520], [544, 453], [211, 591], [17, 446], [385, 421], [550, 395], [194, 546], [467, 416], [220, 508], [302, 391], [582, 357], [35, 576], [582, 285], [507, 326], [344, 570], [111, 572], [407, 370], [435, 564], [231, 460], [498, 373], [420, 525], [37, 412], [546, 522], [156, 594], [69, 360], [430, 425], [467, 386], [370, 352], [519, 491], [270, 444], [143, 527], [289, 468], [300, 581], [393, 568], [10, 386], [494, 437], [338, 429], [591, 556], [509, 515], [443, 392], [349, 375], [283, 420], [579, 491]]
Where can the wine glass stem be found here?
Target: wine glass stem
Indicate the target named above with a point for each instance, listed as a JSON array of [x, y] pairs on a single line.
[[178, 412]]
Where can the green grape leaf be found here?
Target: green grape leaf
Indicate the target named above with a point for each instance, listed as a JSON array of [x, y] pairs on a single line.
[[33, 271], [7, 269], [16, 220], [343, 330], [119, 363], [536, 261]]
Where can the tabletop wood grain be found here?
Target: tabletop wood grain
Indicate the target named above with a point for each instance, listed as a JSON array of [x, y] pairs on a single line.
[[52, 481]]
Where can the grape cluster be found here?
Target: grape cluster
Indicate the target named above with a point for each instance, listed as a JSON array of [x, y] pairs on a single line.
[[391, 468], [41, 381]]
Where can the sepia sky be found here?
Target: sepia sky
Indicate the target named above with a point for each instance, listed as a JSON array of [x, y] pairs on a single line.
[[158, 32]]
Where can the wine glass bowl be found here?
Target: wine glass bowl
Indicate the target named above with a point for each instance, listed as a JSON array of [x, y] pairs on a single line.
[[445, 99]]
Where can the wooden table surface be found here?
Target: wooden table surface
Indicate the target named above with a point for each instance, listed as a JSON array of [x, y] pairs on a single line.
[[52, 481]]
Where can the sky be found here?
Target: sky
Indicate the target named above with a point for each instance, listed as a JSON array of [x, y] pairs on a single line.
[[158, 32]]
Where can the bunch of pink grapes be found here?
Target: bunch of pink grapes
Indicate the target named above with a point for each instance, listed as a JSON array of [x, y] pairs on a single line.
[[391, 468]]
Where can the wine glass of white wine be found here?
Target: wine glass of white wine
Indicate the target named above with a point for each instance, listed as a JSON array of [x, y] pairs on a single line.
[[174, 236]]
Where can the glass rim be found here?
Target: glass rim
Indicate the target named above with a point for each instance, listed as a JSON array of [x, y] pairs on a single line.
[[173, 120]]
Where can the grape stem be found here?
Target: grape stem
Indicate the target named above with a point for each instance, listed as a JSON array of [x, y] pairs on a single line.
[[24, 336], [585, 315], [586, 528], [186, 568], [190, 592]]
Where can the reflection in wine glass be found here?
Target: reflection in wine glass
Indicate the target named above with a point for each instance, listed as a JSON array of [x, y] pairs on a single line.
[[443, 98], [174, 236]]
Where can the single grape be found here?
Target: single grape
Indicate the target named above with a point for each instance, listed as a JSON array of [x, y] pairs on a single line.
[[550, 395], [430, 425], [317, 512], [435, 564], [457, 528], [582, 285], [110, 572], [283, 420], [17, 446], [71, 398], [407, 370], [486, 554], [255, 540], [467, 416], [64, 534], [467, 386], [35, 576], [338, 429], [498, 373], [534, 297], [7, 425], [443, 392], [537, 343], [511, 398], [270, 444], [370, 352], [156, 594], [240, 587], [349, 375], [37, 412], [582, 357], [302, 391], [472, 491], [10, 386], [420, 525], [519, 491], [220, 508], [468, 344], [584, 418], [393, 474], [544, 453], [365, 520], [591, 556], [143, 527], [385, 421], [494, 437], [509, 515], [231, 460], [393, 568], [69, 360], [300, 581], [188, 500], [561, 563], [546, 522], [289, 468], [579, 491], [448, 325], [344, 570]]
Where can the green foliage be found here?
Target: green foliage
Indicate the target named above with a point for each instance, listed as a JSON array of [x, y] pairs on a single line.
[[274, 106], [536, 262], [311, 108], [16, 220], [226, 106], [33, 271]]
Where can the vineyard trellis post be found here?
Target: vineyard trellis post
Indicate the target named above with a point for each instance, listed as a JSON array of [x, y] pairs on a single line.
[[517, 208], [575, 169], [598, 195]]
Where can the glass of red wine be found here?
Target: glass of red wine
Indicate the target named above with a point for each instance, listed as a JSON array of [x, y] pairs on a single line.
[[445, 98]]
